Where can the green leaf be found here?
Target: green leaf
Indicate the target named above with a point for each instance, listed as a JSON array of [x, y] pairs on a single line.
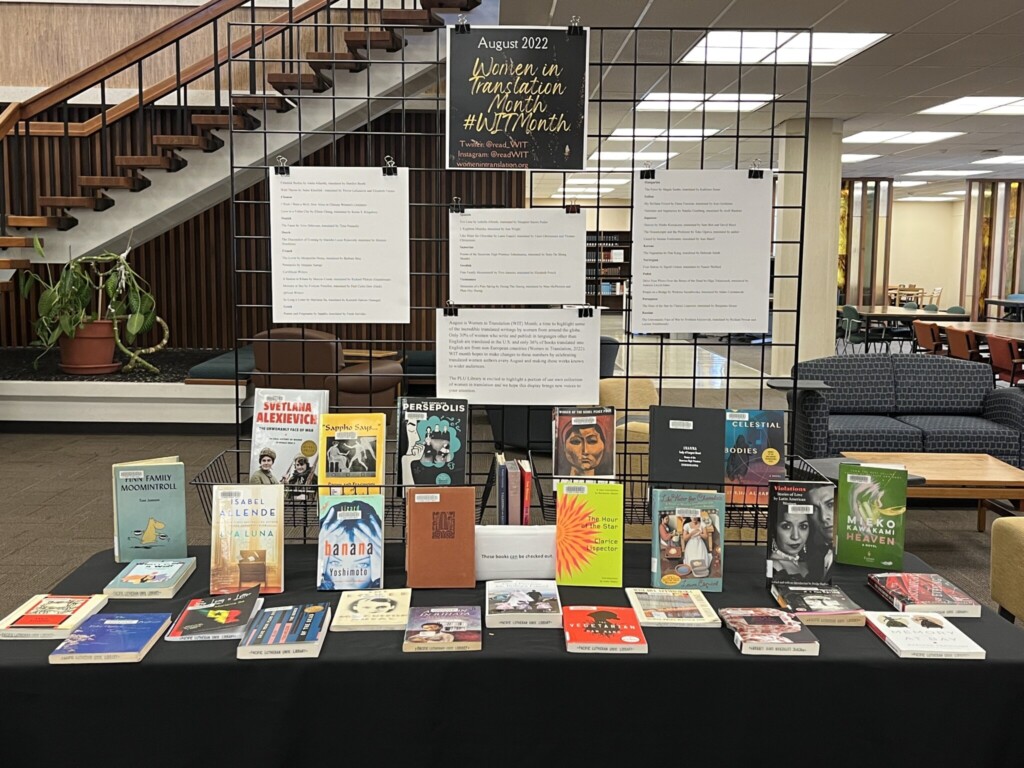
[[39, 247], [134, 302], [25, 283], [54, 335], [111, 285], [67, 325], [150, 321], [135, 323], [46, 302], [147, 304]]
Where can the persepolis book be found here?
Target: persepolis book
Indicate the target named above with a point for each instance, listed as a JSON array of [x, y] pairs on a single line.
[[432, 436]]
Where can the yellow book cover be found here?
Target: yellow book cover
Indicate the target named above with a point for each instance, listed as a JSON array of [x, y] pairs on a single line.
[[588, 538], [351, 452], [247, 539]]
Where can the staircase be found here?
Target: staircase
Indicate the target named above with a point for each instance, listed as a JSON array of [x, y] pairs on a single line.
[[142, 166]]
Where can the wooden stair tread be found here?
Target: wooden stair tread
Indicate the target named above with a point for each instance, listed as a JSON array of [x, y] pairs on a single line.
[[275, 103], [17, 242], [294, 81], [422, 18], [182, 142], [169, 163], [41, 222], [450, 5], [88, 202], [15, 263], [350, 60], [386, 39], [133, 183], [213, 122]]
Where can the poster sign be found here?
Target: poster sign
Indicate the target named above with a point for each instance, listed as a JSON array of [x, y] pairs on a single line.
[[517, 98]]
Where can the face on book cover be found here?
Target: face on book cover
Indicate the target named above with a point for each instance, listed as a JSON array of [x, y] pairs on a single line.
[[584, 449]]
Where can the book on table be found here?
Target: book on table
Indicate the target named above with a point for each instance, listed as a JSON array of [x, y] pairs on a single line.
[[584, 442], [443, 628], [350, 551], [755, 455], [285, 426], [768, 631], [923, 636], [800, 531], [441, 537], [372, 610], [247, 539], [432, 434], [672, 608], [286, 631], [351, 453], [49, 617], [602, 629], [870, 513], [150, 579], [223, 617], [926, 592], [523, 603], [111, 638], [588, 537], [149, 509], [818, 604], [686, 539]]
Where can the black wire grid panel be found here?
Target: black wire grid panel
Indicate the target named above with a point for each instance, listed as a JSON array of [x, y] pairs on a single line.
[[651, 93]]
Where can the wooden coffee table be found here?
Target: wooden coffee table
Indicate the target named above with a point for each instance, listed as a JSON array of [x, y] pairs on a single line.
[[957, 476]]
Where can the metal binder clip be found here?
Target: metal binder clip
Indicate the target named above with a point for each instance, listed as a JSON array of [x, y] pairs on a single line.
[[282, 168], [647, 172], [450, 311], [462, 25], [389, 166], [755, 172], [573, 207], [586, 311], [456, 206], [575, 29]]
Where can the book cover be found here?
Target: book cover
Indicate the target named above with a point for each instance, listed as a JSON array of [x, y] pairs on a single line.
[[224, 617], [289, 631], [515, 492], [352, 452], [923, 636], [523, 603], [672, 607], [49, 617], [432, 440], [527, 472], [872, 503], [687, 445], [755, 444], [441, 537], [148, 579], [501, 483], [687, 539], [285, 425], [247, 539], [801, 528], [109, 638], [449, 628], [928, 592], [767, 631], [818, 604], [588, 537], [602, 629], [149, 509], [372, 610], [351, 543], [584, 442]]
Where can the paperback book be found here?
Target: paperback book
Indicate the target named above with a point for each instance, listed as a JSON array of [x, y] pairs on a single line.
[[768, 631], [247, 539], [754, 455], [372, 610], [687, 549], [800, 531], [602, 629], [870, 515], [687, 445], [151, 579], [672, 607], [431, 440], [818, 604], [286, 631], [923, 636], [441, 537], [49, 617], [351, 543], [523, 603], [224, 617], [111, 638], [352, 452], [449, 628], [149, 509], [584, 442], [284, 440], [926, 592], [588, 537]]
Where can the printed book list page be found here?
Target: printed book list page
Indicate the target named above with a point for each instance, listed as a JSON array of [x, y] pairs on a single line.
[[518, 256], [339, 245], [519, 357], [701, 252]]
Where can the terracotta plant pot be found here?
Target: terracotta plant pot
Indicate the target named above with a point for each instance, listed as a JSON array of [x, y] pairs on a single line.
[[91, 351]]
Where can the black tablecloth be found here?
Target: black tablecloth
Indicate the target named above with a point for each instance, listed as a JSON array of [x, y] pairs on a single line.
[[694, 697]]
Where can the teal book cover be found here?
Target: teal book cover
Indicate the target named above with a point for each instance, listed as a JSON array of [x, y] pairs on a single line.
[[149, 510], [687, 551], [872, 506], [755, 454]]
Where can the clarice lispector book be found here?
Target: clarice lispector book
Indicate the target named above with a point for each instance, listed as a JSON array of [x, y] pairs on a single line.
[[149, 509], [247, 539], [588, 537], [285, 428], [352, 452]]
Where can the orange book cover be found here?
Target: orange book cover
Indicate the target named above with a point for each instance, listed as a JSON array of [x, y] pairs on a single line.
[[441, 534], [602, 629], [247, 540]]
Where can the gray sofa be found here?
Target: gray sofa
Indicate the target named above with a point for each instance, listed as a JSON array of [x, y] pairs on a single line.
[[907, 403]]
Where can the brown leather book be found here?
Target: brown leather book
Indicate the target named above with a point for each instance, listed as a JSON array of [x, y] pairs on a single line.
[[440, 524]]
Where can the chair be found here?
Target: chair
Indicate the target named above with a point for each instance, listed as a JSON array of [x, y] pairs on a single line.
[[900, 331], [1006, 576], [930, 307], [964, 345], [303, 358], [1007, 364], [936, 296], [853, 325], [957, 310], [927, 338]]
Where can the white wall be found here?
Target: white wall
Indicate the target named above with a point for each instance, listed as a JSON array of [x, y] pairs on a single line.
[[927, 239]]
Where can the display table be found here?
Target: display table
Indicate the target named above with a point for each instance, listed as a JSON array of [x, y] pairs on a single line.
[[523, 697]]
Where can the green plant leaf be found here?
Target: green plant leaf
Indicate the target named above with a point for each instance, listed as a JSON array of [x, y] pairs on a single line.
[[111, 285], [147, 304], [135, 323], [150, 320], [39, 247], [47, 302], [25, 283], [54, 335], [67, 325], [134, 302]]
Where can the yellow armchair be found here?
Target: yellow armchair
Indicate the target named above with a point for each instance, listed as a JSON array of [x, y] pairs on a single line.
[[632, 399], [1007, 566]]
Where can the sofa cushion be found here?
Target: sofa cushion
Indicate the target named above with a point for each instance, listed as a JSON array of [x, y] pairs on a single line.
[[966, 434], [933, 384], [861, 383], [866, 432]]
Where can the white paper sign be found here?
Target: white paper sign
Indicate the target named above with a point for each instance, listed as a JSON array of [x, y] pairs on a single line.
[[515, 552], [701, 252], [518, 256], [519, 357], [339, 245]]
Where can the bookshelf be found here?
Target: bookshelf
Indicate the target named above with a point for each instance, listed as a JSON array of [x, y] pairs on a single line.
[[608, 269]]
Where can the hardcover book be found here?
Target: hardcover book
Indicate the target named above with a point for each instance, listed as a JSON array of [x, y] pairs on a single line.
[[149, 579], [111, 638], [672, 607], [687, 549], [927, 592], [288, 631], [247, 540], [923, 636], [224, 617], [602, 629], [149, 509], [523, 603], [800, 531], [818, 604], [431, 440], [754, 454], [372, 610], [588, 537], [768, 631], [584, 442], [352, 452], [687, 445], [49, 617], [870, 513], [351, 541], [441, 537], [450, 628], [285, 426]]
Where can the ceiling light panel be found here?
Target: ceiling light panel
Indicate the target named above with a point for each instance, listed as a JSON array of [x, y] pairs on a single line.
[[640, 156], [925, 200], [824, 49], [642, 134], [953, 174], [900, 137], [909, 183], [979, 105], [858, 158], [1001, 160], [707, 102]]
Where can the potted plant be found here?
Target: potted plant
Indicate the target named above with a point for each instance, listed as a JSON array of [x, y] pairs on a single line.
[[81, 311]]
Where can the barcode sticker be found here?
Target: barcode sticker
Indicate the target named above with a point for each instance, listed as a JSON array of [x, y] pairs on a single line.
[[768, 564], [427, 498], [231, 494], [131, 474], [687, 512], [574, 490], [121, 621], [345, 436], [584, 420], [800, 509], [679, 424], [858, 478], [739, 416]]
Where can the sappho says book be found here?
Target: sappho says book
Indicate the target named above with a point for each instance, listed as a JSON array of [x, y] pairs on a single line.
[[247, 539], [441, 537]]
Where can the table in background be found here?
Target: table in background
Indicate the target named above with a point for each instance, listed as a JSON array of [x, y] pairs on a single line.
[[987, 328], [884, 313], [1014, 307], [523, 696]]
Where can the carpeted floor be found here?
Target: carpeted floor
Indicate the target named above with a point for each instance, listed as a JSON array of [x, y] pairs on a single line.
[[26, 364]]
